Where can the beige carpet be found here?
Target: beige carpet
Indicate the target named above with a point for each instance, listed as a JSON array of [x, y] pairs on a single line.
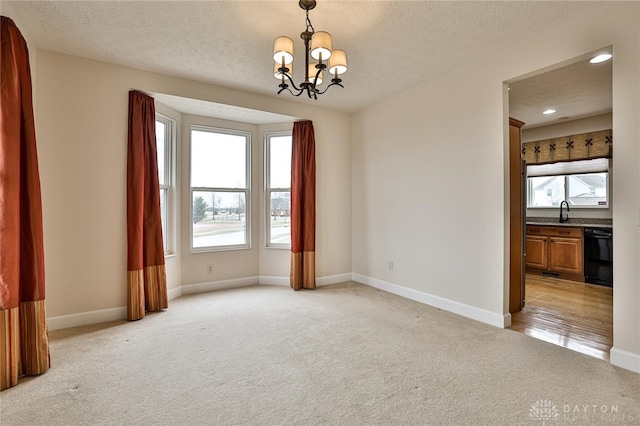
[[343, 354]]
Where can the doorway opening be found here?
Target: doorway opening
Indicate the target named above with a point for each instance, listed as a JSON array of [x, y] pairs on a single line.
[[561, 107]]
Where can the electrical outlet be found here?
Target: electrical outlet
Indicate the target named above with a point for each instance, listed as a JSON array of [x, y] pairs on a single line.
[[209, 269], [391, 265]]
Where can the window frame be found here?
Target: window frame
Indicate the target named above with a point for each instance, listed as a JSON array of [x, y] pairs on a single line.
[[529, 190], [246, 190], [168, 184], [268, 189]]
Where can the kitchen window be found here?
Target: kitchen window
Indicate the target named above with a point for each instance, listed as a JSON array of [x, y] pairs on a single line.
[[220, 189], [278, 189], [584, 184]]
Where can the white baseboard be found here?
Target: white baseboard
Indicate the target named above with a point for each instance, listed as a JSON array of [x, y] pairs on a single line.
[[174, 293], [112, 314], [279, 281], [220, 285], [86, 318], [334, 279], [625, 359], [472, 312], [96, 317], [321, 281], [507, 320]]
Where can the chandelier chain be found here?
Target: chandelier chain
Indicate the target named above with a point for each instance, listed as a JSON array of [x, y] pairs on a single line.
[[309, 25]]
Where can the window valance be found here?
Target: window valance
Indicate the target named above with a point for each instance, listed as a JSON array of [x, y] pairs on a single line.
[[584, 146]]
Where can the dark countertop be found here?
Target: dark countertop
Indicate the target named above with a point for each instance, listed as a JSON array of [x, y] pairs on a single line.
[[575, 222]]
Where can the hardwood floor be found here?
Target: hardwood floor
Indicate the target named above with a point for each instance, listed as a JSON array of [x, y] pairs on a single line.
[[571, 314]]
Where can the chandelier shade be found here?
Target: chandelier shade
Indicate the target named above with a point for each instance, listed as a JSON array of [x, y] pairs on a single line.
[[319, 55], [321, 45], [283, 50], [338, 62]]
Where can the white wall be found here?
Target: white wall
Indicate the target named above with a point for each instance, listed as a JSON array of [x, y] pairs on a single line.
[[430, 178], [573, 127], [82, 136]]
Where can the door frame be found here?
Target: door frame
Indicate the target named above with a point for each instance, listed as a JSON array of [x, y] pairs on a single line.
[[516, 217]]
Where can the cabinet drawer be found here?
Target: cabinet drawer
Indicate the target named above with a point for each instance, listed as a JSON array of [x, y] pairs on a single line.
[[555, 231]]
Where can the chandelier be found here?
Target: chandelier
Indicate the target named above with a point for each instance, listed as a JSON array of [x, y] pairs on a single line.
[[317, 46]]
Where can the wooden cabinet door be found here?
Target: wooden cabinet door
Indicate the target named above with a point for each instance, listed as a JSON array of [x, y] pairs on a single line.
[[537, 251], [565, 255]]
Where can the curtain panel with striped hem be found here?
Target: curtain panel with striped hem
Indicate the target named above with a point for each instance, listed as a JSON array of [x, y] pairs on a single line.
[[24, 341], [146, 275], [303, 206]]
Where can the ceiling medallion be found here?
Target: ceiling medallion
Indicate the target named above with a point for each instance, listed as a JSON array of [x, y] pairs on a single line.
[[318, 47]]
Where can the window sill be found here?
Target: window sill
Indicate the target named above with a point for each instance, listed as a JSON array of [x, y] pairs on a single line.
[[216, 249], [572, 207]]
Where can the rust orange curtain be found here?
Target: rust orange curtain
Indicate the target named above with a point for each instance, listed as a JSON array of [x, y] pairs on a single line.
[[146, 275], [303, 206], [24, 342]]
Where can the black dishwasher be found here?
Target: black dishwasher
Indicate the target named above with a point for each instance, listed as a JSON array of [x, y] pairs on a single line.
[[598, 256]]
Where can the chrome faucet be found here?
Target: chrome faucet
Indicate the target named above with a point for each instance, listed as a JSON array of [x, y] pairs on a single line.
[[564, 218]]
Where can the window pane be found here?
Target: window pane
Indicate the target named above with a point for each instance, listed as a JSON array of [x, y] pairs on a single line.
[[218, 160], [160, 134], [546, 191], [280, 223], [588, 189], [163, 215], [219, 219], [280, 162]]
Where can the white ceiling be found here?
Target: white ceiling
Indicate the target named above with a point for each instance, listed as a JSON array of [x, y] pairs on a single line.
[[575, 91], [391, 45]]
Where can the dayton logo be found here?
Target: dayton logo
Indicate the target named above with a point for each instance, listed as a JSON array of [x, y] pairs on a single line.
[[544, 410]]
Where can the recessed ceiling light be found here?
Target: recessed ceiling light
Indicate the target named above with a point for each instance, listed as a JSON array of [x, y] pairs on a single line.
[[549, 111], [600, 58]]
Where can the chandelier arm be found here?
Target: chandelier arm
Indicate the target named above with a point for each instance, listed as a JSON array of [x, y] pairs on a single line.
[[319, 68], [332, 84], [292, 82], [300, 91]]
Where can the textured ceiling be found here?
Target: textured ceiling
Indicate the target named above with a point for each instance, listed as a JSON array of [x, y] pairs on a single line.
[[575, 91], [391, 46]]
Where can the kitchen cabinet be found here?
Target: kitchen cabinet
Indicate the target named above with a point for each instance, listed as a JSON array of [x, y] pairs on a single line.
[[537, 253], [555, 250], [565, 255]]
